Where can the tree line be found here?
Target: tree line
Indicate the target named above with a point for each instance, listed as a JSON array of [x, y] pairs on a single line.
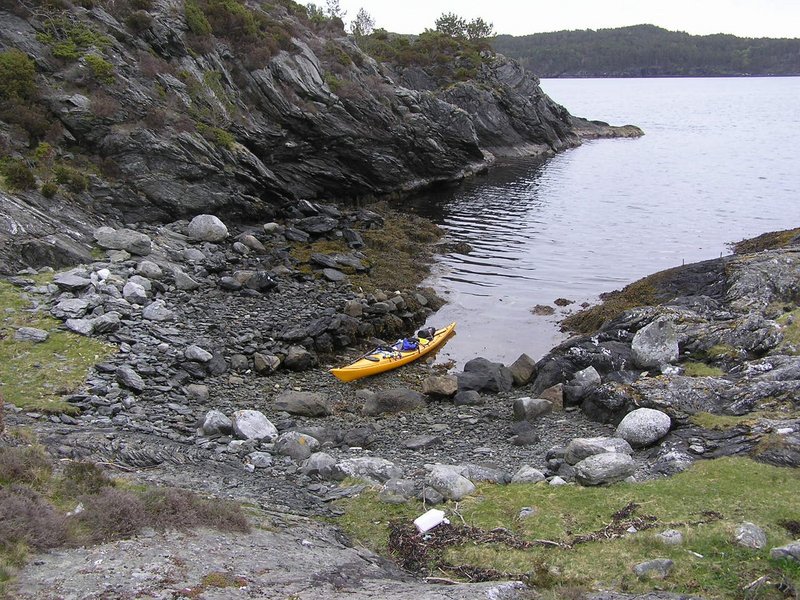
[[649, 51]]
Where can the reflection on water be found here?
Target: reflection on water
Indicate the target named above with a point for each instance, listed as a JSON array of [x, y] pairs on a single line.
[[600, 216]]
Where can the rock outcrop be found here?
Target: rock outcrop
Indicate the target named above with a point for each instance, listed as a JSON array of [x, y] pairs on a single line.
[[155, 115]]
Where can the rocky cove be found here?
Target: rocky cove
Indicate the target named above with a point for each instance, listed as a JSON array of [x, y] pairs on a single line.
[[177, 202], [219, 384]]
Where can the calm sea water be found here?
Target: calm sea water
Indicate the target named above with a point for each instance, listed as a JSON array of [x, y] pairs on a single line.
[[718, 163]]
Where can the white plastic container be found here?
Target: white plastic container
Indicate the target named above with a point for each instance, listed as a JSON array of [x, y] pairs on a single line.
[[429, 520]]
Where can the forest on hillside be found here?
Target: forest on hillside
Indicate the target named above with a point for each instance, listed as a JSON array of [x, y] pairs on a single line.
[[649, 51]]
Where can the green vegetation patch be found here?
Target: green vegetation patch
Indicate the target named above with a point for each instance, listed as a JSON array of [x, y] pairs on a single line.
[[577, 537], [70, 39], [35, 376], [790, 328], [17, 76], [449, 58], [698, 369], [768, 241], [101, 69]]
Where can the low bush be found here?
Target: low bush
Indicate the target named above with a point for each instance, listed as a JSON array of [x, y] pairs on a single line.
[[72, 178], [17, 76], [103, 105], [32, 118], [176, 508], [218, 136], [112, 514], [139, 21], [27, 518], [102, 70], [49, 189], [70, 39], [19, 175], [80, 478], [24, 465]]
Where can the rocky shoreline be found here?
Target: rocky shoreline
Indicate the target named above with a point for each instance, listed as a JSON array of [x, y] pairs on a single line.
[[220, 380]]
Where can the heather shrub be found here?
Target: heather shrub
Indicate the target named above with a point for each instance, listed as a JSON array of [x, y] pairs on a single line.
[[80, 478], [27, 518], [29, 117], [112, 514], [49, 189], [73, 179], [24, 465], [103, 105], [180, 509], [150, 66], [139, 21]]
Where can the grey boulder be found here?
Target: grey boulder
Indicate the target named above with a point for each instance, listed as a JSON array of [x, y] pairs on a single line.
[[207, 228], [253, 425], [643, 426], [216, 422], [449, 482], [393, 400], [581, 448], [605, 468], [656, 344], [123, 239], [306, 404]]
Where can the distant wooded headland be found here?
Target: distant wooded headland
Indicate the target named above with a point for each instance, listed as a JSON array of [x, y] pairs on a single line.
[[649, 51]]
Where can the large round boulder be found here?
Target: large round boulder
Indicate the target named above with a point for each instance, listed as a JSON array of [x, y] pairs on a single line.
[[207, 228], [643, 426]]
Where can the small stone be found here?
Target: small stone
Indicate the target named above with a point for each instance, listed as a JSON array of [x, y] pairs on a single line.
[[670, 537], [157, 311], [527, 474], [657, 568], [197, 354], [529, 409], [260, 460], [750, 535], [790, 551], [134, 293], [184, 282], [31, 334]]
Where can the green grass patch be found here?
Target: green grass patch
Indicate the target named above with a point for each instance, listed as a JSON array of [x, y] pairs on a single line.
[[721, 422], [705, 503], [35, 376], [698, 369]]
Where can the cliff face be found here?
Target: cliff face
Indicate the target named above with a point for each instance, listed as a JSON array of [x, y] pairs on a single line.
[[180, 108]]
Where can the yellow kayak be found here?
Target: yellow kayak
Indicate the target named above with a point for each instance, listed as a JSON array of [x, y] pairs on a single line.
[[389, 357]]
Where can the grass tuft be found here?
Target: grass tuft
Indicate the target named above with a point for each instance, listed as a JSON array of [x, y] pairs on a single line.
[[698, 369]]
